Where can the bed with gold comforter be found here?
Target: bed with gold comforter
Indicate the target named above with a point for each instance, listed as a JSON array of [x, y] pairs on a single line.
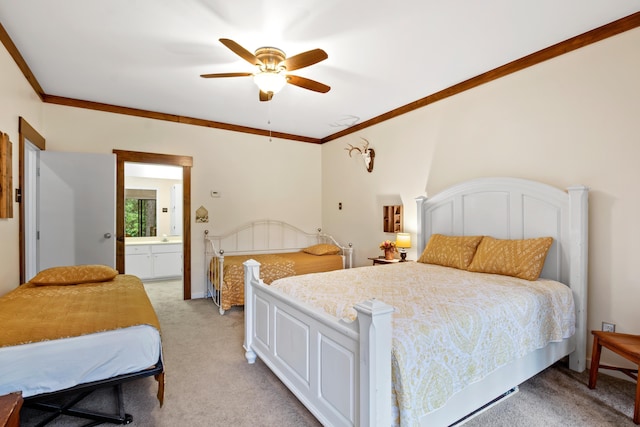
[[273, 267], [59, 334], [282, 249]]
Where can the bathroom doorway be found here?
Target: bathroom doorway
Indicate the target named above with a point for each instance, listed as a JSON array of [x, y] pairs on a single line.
[[185, 162]]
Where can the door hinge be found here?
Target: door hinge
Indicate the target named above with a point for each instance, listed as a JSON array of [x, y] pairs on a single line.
[[18, 195]]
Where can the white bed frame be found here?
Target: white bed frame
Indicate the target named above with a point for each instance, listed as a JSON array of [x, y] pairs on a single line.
[[261, 237], [342, 372]]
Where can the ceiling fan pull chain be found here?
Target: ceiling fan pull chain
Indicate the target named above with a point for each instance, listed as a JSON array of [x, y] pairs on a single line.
[[269, 120]]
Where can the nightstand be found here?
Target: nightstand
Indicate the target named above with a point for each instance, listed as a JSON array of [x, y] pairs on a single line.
[[382, 261], [10, 405]]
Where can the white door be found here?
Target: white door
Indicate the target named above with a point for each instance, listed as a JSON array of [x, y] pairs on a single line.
[[77, 215]]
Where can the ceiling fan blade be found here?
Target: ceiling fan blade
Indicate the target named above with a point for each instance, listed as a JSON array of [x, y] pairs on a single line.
[[208, 76], [308, 84], [241, 52], [264, 96], [305, 59]]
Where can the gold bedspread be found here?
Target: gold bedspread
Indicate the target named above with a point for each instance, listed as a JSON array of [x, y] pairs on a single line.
[[34, 313], [450, 327], [272, 267]]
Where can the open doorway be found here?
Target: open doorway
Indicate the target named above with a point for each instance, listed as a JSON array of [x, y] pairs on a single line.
[[153, 221], [185, 162], [30, 144]]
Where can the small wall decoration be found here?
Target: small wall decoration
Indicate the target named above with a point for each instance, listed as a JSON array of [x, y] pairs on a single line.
[[6, 177], [368, 154], [202, 215]]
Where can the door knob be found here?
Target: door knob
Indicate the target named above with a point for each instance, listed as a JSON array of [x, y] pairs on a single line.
[[107, 235]]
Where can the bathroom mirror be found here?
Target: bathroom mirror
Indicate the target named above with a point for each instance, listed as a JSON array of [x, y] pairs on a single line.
[[140, 213]]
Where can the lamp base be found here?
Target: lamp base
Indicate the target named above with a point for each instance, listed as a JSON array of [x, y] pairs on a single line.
[[403, 256]]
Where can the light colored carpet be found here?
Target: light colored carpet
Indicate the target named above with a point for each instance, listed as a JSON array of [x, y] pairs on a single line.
[[209, 382]]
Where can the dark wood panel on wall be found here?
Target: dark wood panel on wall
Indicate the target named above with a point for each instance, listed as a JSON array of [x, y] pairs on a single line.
[[6, 177]]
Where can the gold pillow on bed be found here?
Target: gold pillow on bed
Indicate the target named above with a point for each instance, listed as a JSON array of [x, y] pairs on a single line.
[[322, 249], [518, 258], [450, 251], [74, 274]]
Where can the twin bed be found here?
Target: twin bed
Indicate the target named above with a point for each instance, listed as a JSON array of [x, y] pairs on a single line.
[[72, 330], [282, 249], [428, 343]]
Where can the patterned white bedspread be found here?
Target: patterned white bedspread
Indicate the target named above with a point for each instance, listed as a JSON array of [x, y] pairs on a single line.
[[450, 327]]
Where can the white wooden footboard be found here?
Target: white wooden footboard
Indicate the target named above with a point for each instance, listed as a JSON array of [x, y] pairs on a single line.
[[340, 371]]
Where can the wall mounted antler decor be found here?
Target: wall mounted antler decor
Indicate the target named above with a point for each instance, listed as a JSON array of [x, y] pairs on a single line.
[[368, 154]]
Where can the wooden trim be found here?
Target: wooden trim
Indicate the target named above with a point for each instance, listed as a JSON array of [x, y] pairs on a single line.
[[25, 132], [20, 62], [186, 162], [90, 105], [609, 30]]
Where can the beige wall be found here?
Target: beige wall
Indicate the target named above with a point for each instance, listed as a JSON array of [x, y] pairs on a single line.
[[257, 178], [571, 120], [17, 98]]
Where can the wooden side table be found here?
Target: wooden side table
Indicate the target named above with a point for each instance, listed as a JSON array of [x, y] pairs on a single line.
[[10, 405], [383, 261]]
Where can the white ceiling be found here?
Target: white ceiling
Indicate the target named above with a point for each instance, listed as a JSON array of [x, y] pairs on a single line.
[[149, 54]]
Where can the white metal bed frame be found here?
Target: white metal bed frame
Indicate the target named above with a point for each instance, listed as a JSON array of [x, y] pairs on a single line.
[[342, 372], [260, 237]]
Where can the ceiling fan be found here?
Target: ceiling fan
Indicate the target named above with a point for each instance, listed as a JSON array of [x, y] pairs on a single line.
[[272, 67]]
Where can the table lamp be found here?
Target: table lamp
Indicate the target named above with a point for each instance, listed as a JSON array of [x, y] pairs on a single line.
[[403, 241]]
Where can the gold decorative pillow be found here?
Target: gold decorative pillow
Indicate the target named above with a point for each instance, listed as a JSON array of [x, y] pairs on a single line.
[[518, 258], [450, 251], [322, 249], [74, 274]]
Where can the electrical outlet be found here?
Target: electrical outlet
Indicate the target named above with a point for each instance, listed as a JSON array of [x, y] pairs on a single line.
[[608, 327]]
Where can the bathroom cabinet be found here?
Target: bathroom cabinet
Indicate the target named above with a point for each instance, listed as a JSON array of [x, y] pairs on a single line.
[[154, 261]]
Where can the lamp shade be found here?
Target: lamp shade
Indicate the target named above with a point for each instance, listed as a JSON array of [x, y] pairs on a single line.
[[270, 81], [403, 240]]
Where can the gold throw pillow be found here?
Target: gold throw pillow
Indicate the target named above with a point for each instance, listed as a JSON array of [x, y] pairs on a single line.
[[518, 258], [450, 251], [74, 274], [322, 249]]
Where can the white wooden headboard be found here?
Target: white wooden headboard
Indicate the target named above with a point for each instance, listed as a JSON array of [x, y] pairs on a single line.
[[267, 236], [513, 208]]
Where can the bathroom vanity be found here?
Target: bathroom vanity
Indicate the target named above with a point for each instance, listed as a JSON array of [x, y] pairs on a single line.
[[153, 259]]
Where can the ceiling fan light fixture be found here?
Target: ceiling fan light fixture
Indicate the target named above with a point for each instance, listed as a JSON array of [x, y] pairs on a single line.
[[270, 81]]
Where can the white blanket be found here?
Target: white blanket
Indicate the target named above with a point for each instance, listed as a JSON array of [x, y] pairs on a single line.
[[450, 327]]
